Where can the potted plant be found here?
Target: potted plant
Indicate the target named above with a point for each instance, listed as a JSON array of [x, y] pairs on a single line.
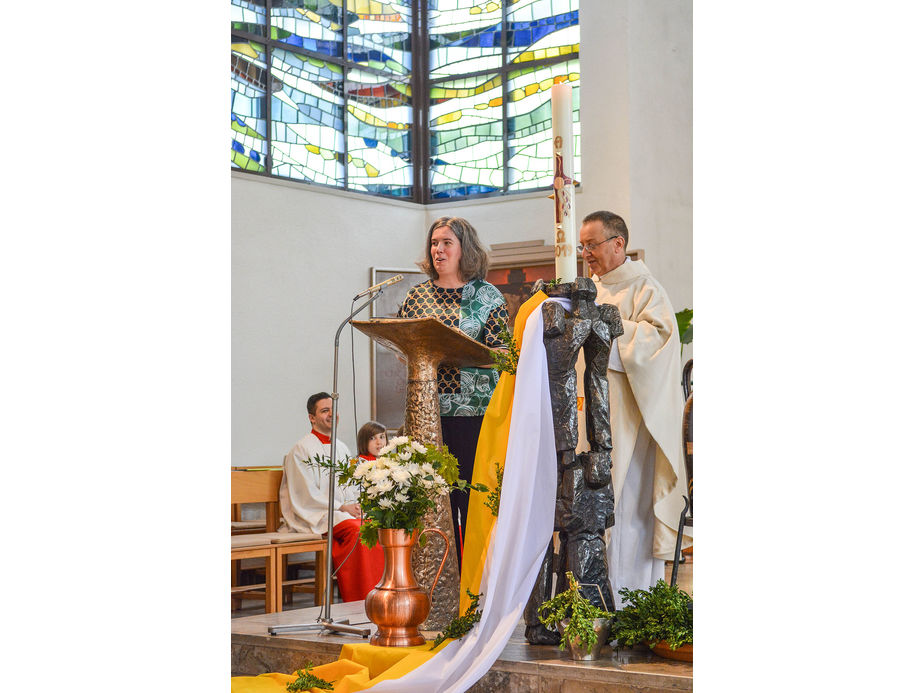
[[583, 626], [660, 617]]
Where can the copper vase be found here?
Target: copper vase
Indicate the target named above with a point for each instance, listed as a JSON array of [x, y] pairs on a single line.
[[398, 605]]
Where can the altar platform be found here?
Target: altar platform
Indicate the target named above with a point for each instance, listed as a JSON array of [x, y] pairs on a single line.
[[520, 668]]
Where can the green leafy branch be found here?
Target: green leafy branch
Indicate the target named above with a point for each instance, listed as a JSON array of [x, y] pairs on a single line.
[[662, 613], [306, 681], [684, 326], [506, 361], [493, 500], [579, 611], [461, 625]]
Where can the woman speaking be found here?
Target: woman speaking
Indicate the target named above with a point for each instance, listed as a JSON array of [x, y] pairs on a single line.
[[458, 296]]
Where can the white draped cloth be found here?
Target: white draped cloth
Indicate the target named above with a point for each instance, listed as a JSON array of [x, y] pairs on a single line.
[[305, 488], [646, 407], [521, 534]]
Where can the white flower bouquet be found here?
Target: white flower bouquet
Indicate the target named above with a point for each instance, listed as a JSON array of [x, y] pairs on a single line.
[[397, 489]]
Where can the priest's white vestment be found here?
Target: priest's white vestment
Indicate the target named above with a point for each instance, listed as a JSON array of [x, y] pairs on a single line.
[[646, 408], [304, 491]]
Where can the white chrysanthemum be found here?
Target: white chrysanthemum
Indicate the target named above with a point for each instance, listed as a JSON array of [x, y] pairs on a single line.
[[386, 503], [401, 476], [389, 463], [426, 483], [384, 486], [413, 468], [405, 456], [417, 447], [401, 440], [438, 480], [377, 475], [362, 468], [401, 497], [427, 468], [389, 446], [371, 491]]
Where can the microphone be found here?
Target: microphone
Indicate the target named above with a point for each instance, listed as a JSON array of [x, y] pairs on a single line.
[[381, 285]]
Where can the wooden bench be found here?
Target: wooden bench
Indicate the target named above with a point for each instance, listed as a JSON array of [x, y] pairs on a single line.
[[261, 485]]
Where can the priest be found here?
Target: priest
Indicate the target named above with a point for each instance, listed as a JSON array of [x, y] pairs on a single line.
[[646, 407], [304, 500]]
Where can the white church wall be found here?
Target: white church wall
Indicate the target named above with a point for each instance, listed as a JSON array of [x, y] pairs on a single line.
[[299, 256], [296, 248], [661, 142]]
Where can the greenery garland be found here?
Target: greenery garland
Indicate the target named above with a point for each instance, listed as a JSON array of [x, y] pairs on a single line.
[[306, 681], [461, 625], [506, 361], [493, 501]]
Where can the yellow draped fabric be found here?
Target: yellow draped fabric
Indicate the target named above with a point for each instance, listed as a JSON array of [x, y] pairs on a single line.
[[360, 667], [492, 447]]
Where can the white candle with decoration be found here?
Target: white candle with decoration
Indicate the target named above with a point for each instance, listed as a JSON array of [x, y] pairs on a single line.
[[563, 183]]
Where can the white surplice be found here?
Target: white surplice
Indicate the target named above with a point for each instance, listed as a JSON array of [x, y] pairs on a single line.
[[305, 488], [646, 407]]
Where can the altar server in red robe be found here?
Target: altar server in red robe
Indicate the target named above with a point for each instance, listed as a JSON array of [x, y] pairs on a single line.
[[303, 501]]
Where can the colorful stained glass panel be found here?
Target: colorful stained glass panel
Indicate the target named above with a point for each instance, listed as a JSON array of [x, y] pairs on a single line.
[[529, 123], [540, 29], [466, 136], [307, 116], [465, 36], [248, 16], [314, 25], [380, 35], [379, 135], [248, 94]]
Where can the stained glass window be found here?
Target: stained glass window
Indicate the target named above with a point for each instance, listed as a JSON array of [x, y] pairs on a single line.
[[248, 89], [336, 81]]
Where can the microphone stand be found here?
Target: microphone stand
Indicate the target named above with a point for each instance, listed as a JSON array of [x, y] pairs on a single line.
[[325, 622]]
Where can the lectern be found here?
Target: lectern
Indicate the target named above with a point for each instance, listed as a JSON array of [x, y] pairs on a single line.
[[426, 344]]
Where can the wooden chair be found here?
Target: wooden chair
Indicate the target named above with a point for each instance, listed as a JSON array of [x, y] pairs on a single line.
[[261, 485], [255, 486]]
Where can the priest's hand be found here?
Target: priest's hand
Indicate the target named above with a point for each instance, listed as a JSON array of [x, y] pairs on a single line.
[[351, 508]]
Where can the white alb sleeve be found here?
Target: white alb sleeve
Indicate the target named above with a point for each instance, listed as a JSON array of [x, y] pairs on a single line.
[[615, 363]]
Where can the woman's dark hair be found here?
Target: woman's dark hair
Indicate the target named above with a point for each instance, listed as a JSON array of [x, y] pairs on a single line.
[[368, 431], [474, 261]]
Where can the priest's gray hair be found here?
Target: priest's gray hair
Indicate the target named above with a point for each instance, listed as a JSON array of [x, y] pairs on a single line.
[[613, 223], [474, 262]]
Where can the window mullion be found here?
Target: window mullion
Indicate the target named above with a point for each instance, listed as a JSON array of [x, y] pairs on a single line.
[[420, 99], [505, 134], [267, 91], [344, 54]]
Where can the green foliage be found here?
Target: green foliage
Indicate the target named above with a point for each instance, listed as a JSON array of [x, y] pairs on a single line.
[[573, 605], [661, 613], [461, 625], [306, 681], [397, 489], [685, 325], [553, 282], [506, 361], [493, 500]]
